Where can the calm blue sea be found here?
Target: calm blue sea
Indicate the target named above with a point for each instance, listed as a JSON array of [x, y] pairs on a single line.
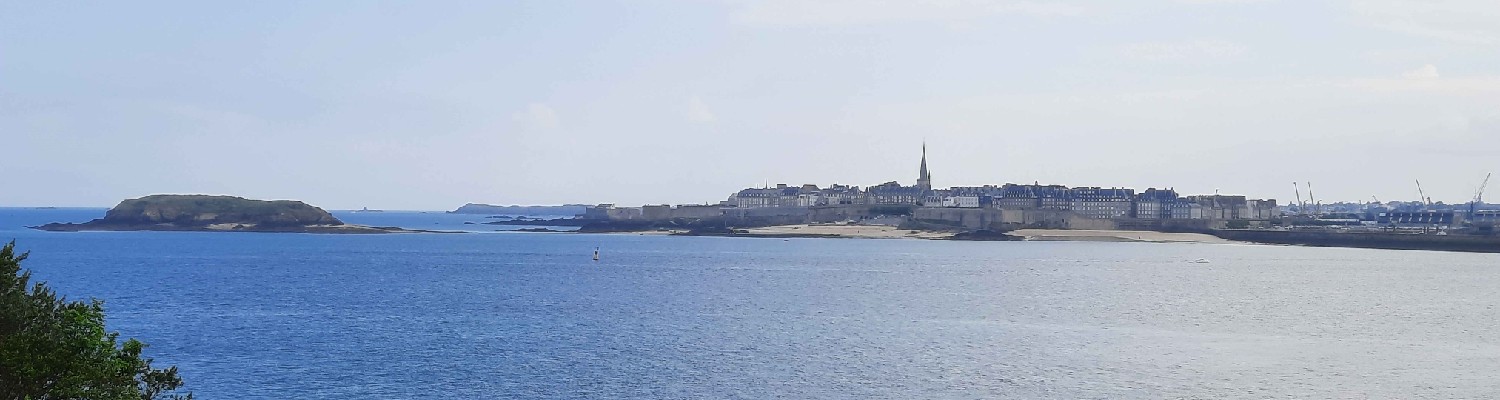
[[523, 315]]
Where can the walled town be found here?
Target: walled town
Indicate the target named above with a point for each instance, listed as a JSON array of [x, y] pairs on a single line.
[[990, 207]]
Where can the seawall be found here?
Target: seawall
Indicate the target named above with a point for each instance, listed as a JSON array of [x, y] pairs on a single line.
[[1393, 241]]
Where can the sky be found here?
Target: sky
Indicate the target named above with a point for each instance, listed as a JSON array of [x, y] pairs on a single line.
[[430, 105]]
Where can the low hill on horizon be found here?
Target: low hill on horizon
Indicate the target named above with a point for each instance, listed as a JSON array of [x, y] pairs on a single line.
[[175, 212], [490, 209], [212, 209]]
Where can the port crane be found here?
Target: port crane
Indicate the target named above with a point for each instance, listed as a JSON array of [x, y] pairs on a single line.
[[1301, 207], [1479, 195], [1422, 197], [1317, 208]]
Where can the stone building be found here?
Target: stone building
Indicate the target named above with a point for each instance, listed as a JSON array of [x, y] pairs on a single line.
[[1049, 202], [757, 198], [1156, 203], [837, 195], [893, 193], [1225, 207], [1100, 203]]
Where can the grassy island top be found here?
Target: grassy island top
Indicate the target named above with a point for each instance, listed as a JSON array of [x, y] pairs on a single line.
[[188, 210]]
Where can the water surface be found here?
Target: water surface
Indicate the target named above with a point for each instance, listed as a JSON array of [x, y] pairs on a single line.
[[520, 315]]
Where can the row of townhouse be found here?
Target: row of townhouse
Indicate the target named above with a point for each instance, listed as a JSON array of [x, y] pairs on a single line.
[[1106, 203], [1089, 202], [811, 196], [886, 193]]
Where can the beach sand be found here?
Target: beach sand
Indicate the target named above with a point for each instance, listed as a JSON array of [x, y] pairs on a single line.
[[850, 231], [891, 232], [1116, 236]]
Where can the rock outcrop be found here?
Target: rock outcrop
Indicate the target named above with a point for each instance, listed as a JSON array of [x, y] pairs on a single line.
[[215, 213]]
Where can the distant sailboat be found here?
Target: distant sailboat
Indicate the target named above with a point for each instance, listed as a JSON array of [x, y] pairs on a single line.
[[596, 254]]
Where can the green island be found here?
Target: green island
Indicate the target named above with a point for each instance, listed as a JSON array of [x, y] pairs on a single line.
[[206, 213]]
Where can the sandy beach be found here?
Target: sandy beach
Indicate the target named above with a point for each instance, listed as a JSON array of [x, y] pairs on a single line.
[[891, 232], [1116, 236], [828, 231], [850, 231]]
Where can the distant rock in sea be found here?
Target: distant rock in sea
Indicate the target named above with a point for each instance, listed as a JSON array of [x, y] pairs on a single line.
[[170, 212], [475, 208]]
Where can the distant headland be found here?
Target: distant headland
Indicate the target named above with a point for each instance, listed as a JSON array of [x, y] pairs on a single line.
[[170, 212], [476, 208], [1052, 212]]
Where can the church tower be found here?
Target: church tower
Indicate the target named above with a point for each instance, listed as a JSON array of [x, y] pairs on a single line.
[[924, 180]]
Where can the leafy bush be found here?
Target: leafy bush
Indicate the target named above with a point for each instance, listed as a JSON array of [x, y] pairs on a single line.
[[51, 348]]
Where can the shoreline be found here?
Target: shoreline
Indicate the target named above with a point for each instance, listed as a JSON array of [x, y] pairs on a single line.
[[1241, 237], [804, 231], [892, 232], [345, 229], [1086, 235], [845, 232]]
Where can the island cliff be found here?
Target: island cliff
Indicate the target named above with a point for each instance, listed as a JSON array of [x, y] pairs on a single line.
[[215, 213]]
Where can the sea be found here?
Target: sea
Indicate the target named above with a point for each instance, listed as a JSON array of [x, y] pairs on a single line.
[[501, 315]]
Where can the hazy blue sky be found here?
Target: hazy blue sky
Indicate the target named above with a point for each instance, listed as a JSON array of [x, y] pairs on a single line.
[[428, 105]]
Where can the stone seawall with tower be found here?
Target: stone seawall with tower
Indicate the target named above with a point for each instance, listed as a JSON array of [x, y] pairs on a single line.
[[995, 207]]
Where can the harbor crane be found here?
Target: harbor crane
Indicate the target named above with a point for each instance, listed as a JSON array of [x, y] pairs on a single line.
[[1422, 196], [1317, 208], [1301, 207], [1479, 195]]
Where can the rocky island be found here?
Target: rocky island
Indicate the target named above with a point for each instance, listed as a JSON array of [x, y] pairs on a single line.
[[166, 212]]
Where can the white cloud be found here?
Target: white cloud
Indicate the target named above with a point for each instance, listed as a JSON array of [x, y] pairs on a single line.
[[1193, 50], [698, 112], [1428, 71], [537, 116], [1459, 21], [1450, 86], [860, 12], [1427, 79]]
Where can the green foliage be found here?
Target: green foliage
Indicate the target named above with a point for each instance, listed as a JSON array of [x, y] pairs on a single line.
[[51, 348], [1237, 224], [185, 209]]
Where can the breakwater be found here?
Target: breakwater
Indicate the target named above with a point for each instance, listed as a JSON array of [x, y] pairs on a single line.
[[1369, 240]]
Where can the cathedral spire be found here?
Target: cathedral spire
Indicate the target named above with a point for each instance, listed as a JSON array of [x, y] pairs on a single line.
[[924, 179]]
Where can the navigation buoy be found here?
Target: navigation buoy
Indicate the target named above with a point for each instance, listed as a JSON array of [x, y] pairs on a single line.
[[596, 254]]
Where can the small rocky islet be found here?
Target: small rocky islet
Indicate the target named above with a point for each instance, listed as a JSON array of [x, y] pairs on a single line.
[[209, 213]]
